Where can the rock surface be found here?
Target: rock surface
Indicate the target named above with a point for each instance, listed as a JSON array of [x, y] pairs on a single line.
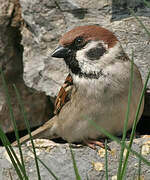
[[36, 103], [90, 163]]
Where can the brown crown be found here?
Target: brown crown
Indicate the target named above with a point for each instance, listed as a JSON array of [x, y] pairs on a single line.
[[90, 32]]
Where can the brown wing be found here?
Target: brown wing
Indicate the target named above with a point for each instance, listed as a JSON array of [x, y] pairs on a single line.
[[64, 94]]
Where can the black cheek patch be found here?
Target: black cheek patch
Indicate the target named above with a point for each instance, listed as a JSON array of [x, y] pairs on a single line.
[[95, 53]]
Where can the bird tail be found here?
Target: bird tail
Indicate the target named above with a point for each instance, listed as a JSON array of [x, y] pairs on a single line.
[[46, 131]]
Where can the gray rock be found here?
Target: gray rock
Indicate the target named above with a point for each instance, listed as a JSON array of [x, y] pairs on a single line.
[[90, 163], [36, 103], [39, 38]]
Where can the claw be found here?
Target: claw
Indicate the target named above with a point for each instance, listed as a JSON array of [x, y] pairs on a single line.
[[92, 144]]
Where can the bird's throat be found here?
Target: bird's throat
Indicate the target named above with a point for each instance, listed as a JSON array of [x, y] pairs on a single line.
[[74, 67]]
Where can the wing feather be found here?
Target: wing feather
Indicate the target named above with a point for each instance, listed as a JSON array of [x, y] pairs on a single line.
[[64, 94]]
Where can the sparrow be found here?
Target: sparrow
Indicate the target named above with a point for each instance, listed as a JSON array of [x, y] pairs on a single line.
[[96, 88]]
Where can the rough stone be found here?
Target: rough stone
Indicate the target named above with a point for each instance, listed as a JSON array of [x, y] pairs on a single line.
[[90, 163], [36, 103]]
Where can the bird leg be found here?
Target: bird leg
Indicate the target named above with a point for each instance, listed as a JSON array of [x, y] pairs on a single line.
[[92, 144]]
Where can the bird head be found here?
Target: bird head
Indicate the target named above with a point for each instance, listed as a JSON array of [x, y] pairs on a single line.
[[86, 50]]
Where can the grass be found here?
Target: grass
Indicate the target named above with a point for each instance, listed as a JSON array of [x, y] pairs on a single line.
[[74, 164], [106, 160], [28, 128], [126, 120], [19, 165]]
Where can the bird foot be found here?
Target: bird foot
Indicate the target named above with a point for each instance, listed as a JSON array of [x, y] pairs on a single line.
[[92, 144]]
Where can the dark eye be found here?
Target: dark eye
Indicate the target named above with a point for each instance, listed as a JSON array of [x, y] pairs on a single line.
[[78, 41]]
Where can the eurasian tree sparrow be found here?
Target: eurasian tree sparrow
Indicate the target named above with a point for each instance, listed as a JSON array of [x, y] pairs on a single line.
[[96, 88]]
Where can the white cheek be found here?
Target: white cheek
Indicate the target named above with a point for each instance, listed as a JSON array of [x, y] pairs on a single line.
[[85, 64], [112, 53], [81, 54], [104, 63]]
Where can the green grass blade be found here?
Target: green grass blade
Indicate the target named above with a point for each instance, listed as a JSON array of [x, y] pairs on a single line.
[[8, 101], [141, 23], [87, 177], [74, 164], [11, 178], [102, 177], [126, 119], [114, 138], [50, 171], [106, 160], [11, 154], [134, 125], [28, 129], [134, 175], [139, 166], [54, 176], [147, 3]]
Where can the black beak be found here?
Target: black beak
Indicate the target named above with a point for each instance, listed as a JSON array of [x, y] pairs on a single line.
[[61, 52]]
